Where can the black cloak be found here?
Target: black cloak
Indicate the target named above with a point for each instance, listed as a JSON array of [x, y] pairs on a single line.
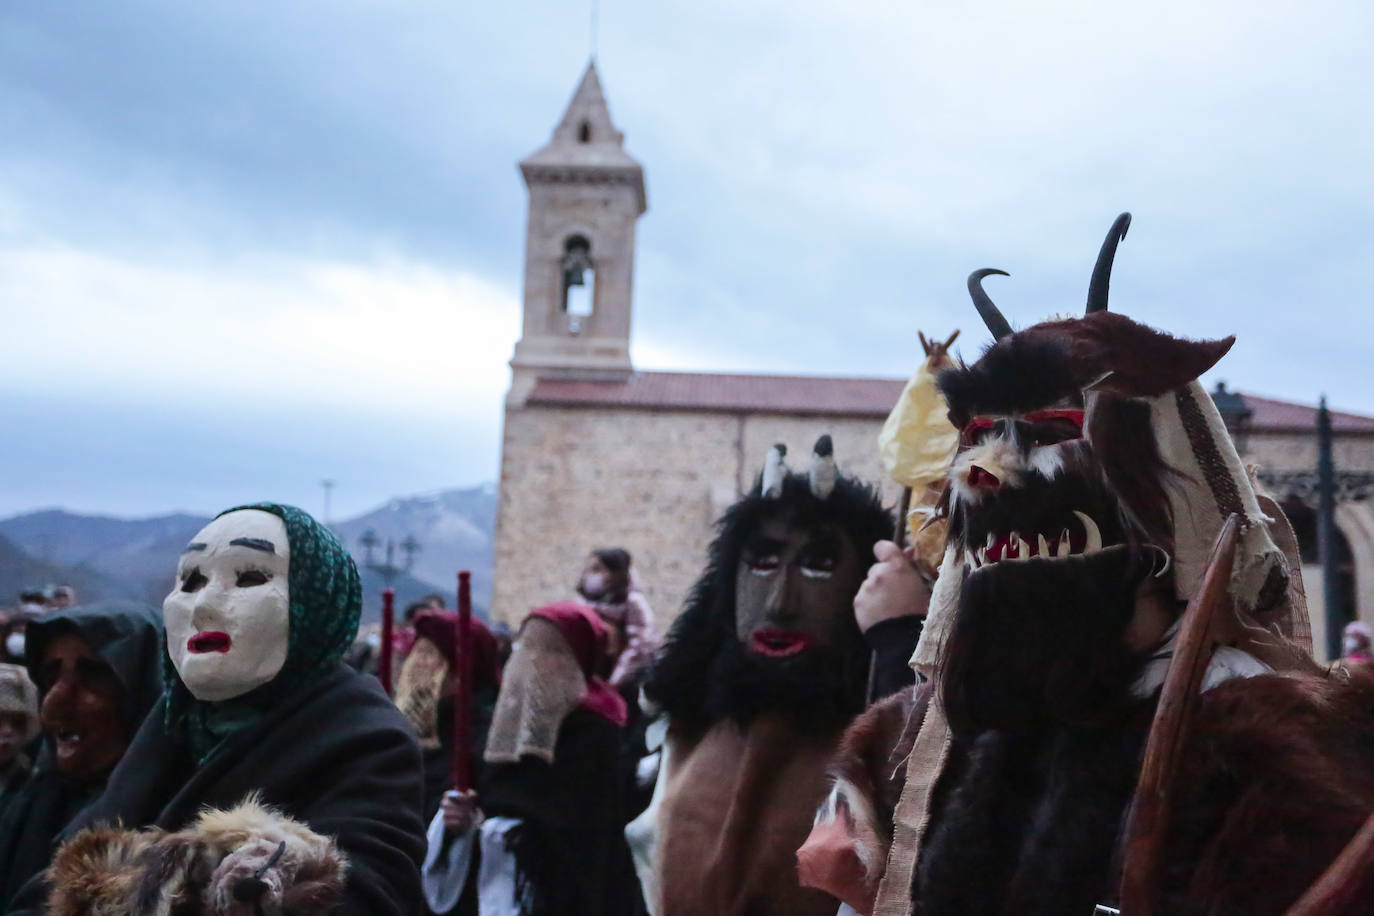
[[335, 754], [128, 637], [571, 845]]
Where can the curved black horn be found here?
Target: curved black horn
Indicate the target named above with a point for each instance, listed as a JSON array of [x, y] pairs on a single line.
[[1102, 270], [991, 316]]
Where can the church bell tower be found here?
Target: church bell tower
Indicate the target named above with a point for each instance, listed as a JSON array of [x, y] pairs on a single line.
[[585, 196]]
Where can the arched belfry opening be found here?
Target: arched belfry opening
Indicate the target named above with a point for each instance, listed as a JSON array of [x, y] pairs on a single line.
[[584, 132], [579, 281]]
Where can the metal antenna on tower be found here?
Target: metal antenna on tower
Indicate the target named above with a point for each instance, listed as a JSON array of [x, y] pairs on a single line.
[[328, 491], [596, 9]]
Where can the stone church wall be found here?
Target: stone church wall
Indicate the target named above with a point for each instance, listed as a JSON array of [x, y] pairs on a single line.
[[653, 482], [1281, 451]]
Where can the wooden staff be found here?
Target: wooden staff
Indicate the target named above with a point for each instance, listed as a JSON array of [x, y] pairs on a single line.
[[903, 510], [462, 704], [388, 621], [940, 351], [929, 346], [1148, 821]]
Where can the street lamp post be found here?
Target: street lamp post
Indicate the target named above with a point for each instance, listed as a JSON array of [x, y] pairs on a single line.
[[328, 492], [1326, 530], [388, 568], [1235, 413]]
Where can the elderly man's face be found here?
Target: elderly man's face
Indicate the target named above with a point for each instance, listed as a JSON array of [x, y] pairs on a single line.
[[81, 710]]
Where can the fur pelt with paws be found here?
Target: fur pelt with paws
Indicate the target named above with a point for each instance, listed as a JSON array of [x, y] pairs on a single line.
[[243, 861]]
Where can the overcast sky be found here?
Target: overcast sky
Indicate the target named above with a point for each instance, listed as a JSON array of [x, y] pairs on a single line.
[[247, 246]]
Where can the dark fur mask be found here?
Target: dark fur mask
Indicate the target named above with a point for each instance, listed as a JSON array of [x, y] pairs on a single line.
[[1041, 643], [1056, 361], [704, 674], [1057, 504]]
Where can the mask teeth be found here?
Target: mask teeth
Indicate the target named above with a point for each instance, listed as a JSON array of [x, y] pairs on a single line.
[[1023, 550], [971, 559], [1064, 548], [1043, 544], [1015, 542], [1094, 534]]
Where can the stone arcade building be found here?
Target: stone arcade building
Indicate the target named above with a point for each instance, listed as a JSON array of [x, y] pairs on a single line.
[[596, 453]]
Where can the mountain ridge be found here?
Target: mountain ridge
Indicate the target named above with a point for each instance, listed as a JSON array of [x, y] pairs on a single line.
[[110, 557]]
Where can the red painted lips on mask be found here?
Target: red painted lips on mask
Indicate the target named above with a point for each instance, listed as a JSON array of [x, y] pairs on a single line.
[[209, 641], [779, 643]]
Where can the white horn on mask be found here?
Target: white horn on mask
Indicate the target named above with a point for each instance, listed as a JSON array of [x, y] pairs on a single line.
[[823, 470], [774, 471]]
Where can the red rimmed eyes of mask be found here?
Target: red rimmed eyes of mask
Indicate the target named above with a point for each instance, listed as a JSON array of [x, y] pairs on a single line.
[[976, 429], [1047, 427], [1041, 427]]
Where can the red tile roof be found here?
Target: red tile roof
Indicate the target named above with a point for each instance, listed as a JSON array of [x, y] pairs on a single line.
[[802, 394], [1285, 415], [730, 393]]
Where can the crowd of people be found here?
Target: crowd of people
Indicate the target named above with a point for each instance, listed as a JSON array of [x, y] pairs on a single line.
[[235, 753], [975, 706]]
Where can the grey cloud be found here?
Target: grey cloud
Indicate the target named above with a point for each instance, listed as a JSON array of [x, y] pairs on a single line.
[[821, 181]]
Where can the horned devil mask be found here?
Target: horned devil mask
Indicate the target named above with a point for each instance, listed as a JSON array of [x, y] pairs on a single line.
[[770, 624], [1092, 466]]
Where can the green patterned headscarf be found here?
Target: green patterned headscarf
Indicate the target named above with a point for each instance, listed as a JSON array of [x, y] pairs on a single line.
[[326, 599]]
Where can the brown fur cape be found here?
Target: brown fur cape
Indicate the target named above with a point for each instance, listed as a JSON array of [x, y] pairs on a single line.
[[1276, 780], [738, 801], [235, 862], [1279, 775], [848, 846]]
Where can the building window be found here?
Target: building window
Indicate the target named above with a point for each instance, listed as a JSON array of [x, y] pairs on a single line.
[[579, 281], [584, 132]]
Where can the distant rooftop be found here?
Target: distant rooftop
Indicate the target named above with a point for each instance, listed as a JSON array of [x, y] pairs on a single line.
[[730, 393], [802, 394], [1273, 415]]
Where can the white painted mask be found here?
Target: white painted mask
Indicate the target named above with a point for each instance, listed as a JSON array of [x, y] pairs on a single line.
[[228, 616]]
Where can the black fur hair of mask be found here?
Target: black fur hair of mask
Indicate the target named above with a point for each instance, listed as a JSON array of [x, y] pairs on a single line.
[[704, 673], [1042, 642], [818, 688], [1018, 373]]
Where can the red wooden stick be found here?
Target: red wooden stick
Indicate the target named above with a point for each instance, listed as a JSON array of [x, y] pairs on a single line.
[[388, 620], [462, 705]]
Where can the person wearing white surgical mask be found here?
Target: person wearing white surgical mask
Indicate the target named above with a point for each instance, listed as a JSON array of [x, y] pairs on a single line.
[[610, 586], [258, 701], [14, 645], [23, 615], [1355, 642]]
